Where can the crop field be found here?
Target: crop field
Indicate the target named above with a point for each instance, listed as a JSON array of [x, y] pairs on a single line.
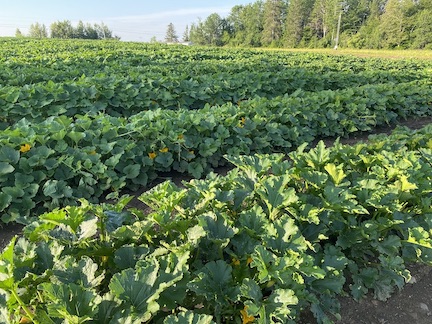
[[291, 228]]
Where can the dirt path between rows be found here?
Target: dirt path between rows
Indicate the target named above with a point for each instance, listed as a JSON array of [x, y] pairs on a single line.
[[412, 305]]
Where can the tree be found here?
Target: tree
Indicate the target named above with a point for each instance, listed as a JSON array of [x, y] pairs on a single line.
[[38, 31], [197, 33], [90, 32], [208, 32], [214, 27], [246, 24], [103, 31], [369, 35], [274, 11], [296, 20], [80, 31], [323, 21], [171, 35], [62, 29], [18, 33], [392, 25], [186, 37], [423, 26]]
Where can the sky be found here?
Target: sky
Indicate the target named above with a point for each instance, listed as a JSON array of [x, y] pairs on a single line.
[[131, 20]]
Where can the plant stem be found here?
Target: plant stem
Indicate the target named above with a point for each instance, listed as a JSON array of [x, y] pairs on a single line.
[[23, 306]]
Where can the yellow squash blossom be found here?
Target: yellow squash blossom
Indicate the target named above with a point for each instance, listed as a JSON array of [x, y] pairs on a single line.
[[246, 319], [152, 155], [249, 261], [164, 150], [25, 148], [235, 261]]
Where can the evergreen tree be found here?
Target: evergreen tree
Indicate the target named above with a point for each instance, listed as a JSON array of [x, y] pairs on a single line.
[[197, 33], [314, 23], [171, 35], [186, 37], [297, 16], [368, 35], [80, 31], [422, 34], [18, 33], [274, 11], [392, 26]]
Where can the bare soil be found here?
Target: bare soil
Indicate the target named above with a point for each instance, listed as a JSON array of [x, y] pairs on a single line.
[[412, 305]]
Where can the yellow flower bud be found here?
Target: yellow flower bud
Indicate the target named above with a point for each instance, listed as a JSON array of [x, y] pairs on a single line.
[[25, 148]]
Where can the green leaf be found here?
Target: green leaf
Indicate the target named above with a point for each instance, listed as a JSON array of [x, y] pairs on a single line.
[[14, 192], [275, 195], [9, 155], [7, 266], [132, 171], [336, 173], [283, 297], [6, 168], [88, 228], [165, 196], [114, 220], [195, 169], [217, 228], [136, 287], [404, 185], [254, 221], [195, 233], [83, 273], [288, 237], [251, 290], [314, 177], [189, 317], [164, 159], [132, 232], [127, 256], [318, 156], [76, 136], [5, 201], [57, 189], [256, 165], [4, 313], [71, 302], [263, 260], [141, 287], [214, 282]]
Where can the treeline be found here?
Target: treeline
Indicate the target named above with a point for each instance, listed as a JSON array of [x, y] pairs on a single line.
[[376, 24], [64, 29]]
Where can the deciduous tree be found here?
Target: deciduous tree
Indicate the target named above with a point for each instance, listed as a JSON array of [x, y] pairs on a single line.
[[62, 29], [38, 30]]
